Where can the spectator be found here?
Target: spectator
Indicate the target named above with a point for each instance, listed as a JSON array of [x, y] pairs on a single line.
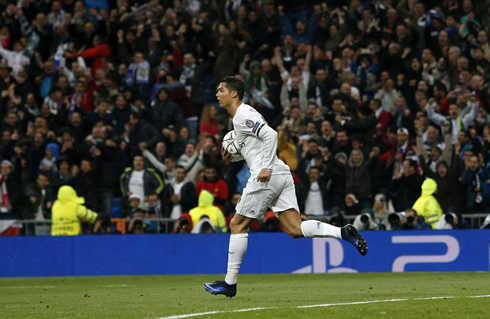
[[388, 95], [141, 134], [192, 76], [213, 184], [313, 193], [175, 143], [208, 121], [438, 152], [206, 208], [358, 177], [458, 122], [67, 213], [427, 205], [473, 177], [165, 112], [140, 180], [86, 184], [179, 195], [48, 163], [405, 187], [192, 162], [40, 199]]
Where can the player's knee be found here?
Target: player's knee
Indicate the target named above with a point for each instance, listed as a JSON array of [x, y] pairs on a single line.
[[295, 233]]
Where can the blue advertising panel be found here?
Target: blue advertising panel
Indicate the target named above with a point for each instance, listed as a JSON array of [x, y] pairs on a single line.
[[457, 250]]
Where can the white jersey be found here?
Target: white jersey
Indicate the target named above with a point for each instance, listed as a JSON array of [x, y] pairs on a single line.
[[257, 142]]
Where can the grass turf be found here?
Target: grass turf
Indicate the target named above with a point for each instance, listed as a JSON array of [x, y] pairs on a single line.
[[160, 296]]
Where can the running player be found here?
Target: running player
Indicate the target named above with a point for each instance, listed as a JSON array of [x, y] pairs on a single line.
[[270, 185]]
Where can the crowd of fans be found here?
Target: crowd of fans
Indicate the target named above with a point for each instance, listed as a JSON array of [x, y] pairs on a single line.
[[381, 107]]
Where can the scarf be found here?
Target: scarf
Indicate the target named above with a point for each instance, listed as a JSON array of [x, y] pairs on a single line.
[[5, 196], [187, 73], [139, 72]]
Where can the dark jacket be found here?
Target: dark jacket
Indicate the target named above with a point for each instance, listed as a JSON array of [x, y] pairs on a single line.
[[188, 199], [30, 208], [406, 190], [87, 185], [358, 178], [165, 113], [152, 183], [142, 132]]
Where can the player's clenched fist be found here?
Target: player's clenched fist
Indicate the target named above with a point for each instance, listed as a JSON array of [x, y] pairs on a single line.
[[264, 176]]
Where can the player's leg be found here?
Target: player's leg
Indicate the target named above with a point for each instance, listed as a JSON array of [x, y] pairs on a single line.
[[286, 207], [290, 219], [238, 246], [296, 228], [249, 208]]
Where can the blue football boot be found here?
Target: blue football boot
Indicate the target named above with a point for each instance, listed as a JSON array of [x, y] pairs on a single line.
[[350, 234], [221, 288]]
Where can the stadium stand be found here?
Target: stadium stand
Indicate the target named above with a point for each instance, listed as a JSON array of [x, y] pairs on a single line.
[[370, 98]]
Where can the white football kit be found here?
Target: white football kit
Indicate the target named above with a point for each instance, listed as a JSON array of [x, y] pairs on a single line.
[[258, 145]]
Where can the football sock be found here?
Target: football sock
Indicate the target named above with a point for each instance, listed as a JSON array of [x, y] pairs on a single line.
[[236, 251], [314, 228]]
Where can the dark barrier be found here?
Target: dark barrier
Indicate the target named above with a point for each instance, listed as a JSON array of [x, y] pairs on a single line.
[[457, 250]]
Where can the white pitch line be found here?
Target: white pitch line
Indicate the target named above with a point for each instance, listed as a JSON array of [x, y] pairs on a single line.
[[28, 287], [435, 298], [350, 303], [194, 314], [198, 314]]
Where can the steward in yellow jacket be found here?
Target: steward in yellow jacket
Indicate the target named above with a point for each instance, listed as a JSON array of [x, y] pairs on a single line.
[[205, 207], [427, 205], [67, 212]]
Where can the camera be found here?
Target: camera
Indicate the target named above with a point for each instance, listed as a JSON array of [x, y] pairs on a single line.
[[184, 224], [364, 219], [410, 220], [138, 224], [396, 218]]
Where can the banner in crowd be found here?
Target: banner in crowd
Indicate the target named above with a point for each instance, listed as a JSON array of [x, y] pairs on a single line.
[[457, 250]]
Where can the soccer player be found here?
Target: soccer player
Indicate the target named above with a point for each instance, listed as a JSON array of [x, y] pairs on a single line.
[[270, 185]]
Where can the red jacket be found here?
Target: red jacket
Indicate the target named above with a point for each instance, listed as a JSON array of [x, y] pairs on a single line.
[[95, 54], [219, 189], [384, 119]]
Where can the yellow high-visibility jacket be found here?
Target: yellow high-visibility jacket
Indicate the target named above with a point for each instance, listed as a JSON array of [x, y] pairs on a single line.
[[68, 211], [206, 207], [427, 205]]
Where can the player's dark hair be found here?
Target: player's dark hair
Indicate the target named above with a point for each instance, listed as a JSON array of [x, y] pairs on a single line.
[[234, 84], [179, 166]]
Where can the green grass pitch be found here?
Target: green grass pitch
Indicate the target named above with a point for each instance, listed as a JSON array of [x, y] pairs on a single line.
[[374, 295]]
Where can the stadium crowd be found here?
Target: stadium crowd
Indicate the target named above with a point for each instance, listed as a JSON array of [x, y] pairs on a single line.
[[381, 107]]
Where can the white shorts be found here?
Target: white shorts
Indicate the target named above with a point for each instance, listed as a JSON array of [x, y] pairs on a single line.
[[278, 194]]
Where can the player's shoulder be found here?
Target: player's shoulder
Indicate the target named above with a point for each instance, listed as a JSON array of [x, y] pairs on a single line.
[[246, 112]]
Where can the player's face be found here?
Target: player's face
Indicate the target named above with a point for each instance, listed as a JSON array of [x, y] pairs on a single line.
[[223, 95]]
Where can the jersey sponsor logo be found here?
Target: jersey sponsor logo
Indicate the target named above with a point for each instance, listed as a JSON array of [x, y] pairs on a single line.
[[255, 127], [249, 123]]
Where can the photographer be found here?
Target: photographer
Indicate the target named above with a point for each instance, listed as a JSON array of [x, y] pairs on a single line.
[[103, 225], [407, 220], [364, 221], [183, 225], [449, 221], [137, 224]]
